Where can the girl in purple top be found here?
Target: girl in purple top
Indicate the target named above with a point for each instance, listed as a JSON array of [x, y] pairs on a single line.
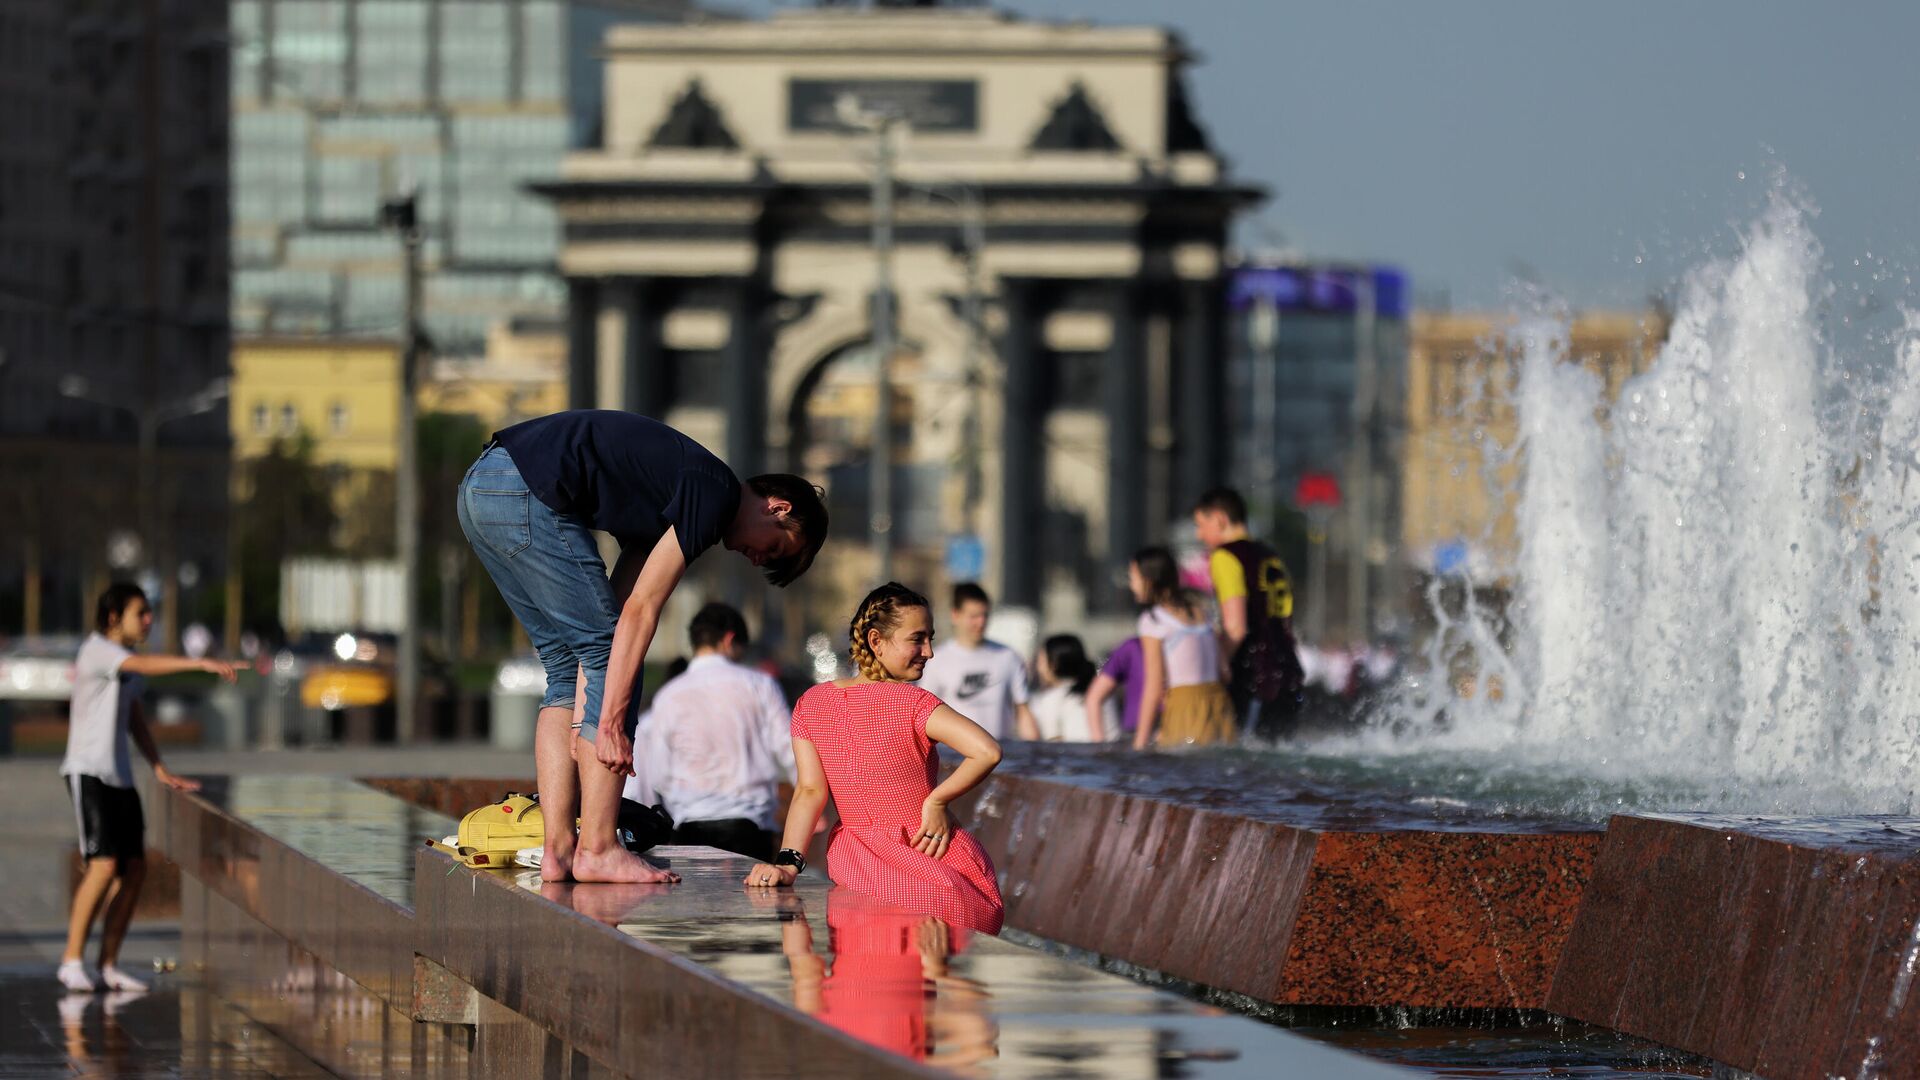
[[1126, 670]]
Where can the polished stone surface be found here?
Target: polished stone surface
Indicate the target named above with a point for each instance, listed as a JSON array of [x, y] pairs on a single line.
[[1310, 892], [336, 1022], [323, 863], [355, 831], [1785, 947], [919, 989], [1300, 914], [298, 915]]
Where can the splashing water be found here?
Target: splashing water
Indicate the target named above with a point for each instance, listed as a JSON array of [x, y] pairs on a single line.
[[1718, 582]]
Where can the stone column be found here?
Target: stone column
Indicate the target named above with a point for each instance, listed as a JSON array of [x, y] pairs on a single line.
[[746, 363], [1022, 448], [583, 342], [1200, 375], [643, 359], [1123, 394]]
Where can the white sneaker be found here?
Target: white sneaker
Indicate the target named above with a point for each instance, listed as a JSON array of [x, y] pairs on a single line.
[[114, 979], [75, 976]]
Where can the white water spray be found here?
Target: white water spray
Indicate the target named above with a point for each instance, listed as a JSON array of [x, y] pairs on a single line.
[[1720, 580]]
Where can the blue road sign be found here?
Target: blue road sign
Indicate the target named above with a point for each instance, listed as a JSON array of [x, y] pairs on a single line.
[[966, 557]]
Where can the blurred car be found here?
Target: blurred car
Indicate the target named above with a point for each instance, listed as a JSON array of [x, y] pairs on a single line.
[[340, 670], [38, 669]]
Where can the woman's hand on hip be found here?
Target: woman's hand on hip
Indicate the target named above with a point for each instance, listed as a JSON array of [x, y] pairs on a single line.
[[936, 829]]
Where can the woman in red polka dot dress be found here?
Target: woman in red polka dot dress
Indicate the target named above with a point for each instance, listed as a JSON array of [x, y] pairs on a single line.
[[869, 743]]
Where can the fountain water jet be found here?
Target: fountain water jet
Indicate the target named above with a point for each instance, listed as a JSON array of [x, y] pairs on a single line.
[[1718, 574]]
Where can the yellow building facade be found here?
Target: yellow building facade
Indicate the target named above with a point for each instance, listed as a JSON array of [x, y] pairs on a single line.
[[343, 394], [1460, 375], [344, 397]]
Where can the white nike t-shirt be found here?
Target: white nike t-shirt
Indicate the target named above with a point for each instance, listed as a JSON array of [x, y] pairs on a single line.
[[97, 722], [982, 683]]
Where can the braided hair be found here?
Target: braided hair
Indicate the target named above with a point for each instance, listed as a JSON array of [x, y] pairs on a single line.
[[879, 611]]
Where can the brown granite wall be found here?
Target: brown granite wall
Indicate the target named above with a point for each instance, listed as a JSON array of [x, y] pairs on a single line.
[[1283, 914], [331, 1021], [1782, 958], [344, 925], [1435, 918], [159, 893]]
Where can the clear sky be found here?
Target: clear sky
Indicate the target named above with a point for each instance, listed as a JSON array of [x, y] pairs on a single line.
[[1471, 141]]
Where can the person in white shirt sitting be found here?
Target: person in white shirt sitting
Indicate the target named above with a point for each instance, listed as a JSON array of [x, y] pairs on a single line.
[[982, 680], [715, 745], [1060, 708]]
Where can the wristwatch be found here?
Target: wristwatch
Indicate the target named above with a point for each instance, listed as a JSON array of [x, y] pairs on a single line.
[[786, 856]]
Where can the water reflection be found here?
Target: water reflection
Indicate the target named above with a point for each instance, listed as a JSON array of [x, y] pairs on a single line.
[[349, 828], [886, 980], [966, 1003], [602, 902], [96, 1044]]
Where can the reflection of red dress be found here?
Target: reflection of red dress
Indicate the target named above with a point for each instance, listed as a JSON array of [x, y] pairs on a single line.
[[877, 988], [880, 765]]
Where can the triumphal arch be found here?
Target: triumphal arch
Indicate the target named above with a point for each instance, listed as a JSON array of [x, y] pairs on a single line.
[[1057, 225]]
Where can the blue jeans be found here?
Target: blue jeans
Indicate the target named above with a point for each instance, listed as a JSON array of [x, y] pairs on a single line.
[[548, 569]]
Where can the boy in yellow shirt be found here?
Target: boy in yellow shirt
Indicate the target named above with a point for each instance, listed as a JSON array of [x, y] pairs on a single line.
[[1255, 593]]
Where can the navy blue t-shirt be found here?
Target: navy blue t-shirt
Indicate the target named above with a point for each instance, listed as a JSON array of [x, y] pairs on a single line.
[[627, 475]]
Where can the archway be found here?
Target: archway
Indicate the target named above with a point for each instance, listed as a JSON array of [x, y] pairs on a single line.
[[830, 427]]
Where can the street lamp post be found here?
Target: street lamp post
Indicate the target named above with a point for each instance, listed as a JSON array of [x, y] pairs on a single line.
[[883, 331], [401, 215], [882, 126], [973, 241]]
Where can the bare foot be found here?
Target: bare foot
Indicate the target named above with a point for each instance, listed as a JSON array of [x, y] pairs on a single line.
[[556, 864], [617, 864]]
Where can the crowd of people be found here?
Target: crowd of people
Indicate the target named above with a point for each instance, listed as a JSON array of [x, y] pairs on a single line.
[[719, 736]]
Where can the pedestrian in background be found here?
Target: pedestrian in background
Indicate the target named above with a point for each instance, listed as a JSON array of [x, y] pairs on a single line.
[[1255, 594], [1125, 671], [714, 747], [1060, 708], [1182, 701], [983, 679]]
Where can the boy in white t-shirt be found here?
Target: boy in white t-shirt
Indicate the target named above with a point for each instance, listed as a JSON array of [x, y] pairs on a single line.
[[107, 682], [982, 680]]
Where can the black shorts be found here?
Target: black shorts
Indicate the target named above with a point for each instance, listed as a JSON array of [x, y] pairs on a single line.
[[112, 825], [738, 835]]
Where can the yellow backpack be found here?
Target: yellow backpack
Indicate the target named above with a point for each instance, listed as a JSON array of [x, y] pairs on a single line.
[[490, 835]]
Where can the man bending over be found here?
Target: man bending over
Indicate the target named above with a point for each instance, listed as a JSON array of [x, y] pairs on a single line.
[[529, 506]]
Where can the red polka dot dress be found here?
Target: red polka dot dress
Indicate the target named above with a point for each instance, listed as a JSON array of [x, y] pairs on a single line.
[[881, 766]]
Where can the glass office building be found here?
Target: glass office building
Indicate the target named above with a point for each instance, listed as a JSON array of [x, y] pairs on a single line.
[[1299, 336], [340, 104]]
